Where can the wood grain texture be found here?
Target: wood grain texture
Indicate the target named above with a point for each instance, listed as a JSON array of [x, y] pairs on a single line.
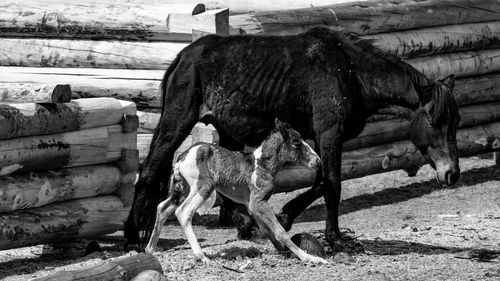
[[438, 40], [213, 21], [54, 223], [372, 17], [127, 20], [33, 119], [72, 149], [88, 53], [36, 189], [122, 268], [53, 93]]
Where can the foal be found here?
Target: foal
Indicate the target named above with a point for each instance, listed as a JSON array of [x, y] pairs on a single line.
[[247, 179]]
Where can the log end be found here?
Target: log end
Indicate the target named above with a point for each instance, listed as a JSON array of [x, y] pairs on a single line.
[[61, 93]]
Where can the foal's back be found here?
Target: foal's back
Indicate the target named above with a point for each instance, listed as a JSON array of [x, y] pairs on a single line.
[[207, 167]]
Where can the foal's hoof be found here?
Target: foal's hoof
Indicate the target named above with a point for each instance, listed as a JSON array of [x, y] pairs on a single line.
[[316, 260]]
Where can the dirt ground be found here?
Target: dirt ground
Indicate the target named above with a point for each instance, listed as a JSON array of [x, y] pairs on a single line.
[[411, 228]]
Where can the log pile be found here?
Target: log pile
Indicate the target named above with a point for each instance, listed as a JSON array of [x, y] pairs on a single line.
[[62, 169]]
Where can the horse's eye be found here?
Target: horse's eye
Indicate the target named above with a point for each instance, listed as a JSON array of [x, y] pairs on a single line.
[[429, 123]]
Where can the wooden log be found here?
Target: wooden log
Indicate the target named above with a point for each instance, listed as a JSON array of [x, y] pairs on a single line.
[[213, 21], [441, 39], [473, 90], [122, 268], [80, 148], [464, 64], [31, 119], [55, 93], [140, 86], [391, 130], [200, 133], [245, 6], [148, 120], [371, 17], [88, 53], [137, 20], [80, 218], [23, 191], [389, 157]]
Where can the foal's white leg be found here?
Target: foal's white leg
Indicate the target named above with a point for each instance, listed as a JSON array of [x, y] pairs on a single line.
[[185, 214], [264, 215], [163, 211]]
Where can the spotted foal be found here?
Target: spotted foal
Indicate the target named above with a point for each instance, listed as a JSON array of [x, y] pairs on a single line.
[[247, 179]]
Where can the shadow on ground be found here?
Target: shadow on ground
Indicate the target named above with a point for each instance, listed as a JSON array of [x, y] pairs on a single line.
[[401, 194]]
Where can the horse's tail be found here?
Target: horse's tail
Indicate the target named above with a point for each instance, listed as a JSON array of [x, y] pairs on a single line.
[[163, 86]]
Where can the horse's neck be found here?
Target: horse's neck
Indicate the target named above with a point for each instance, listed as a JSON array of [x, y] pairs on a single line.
[[266, 161], [384, 81]]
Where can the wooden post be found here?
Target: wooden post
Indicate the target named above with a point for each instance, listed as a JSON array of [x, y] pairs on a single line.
[[213, 21], [122, 268]]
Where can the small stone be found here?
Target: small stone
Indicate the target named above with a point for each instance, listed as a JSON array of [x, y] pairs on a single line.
[[342, 257], [415, 229]]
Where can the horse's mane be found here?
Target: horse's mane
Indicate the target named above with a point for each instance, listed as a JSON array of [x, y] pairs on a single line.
[[367, 45], [444, 107]]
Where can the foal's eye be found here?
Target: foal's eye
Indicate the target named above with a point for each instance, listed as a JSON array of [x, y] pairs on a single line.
[[296, 143]]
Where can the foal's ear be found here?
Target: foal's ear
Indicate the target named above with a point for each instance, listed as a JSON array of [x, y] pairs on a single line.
[[282, 127], [449, 81]]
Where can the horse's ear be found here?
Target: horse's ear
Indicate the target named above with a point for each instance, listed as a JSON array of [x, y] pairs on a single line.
[[449, 81]]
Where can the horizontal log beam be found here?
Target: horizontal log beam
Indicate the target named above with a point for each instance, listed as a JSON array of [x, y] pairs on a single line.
[[140, 86], [438, 40], [137, 21], [88, 53], [54, 93], [36, 189], [80, 218], [463, 64], [72, 149], [122, 268], [33, 119], [371, 17]]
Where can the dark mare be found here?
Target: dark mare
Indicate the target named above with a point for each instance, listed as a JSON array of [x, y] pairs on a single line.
[[324, 83]]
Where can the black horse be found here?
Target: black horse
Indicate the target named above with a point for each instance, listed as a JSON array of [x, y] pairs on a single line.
[[324, 83]]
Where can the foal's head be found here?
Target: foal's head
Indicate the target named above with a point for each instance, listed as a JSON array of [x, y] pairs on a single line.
[[284, 144], [434, 129]]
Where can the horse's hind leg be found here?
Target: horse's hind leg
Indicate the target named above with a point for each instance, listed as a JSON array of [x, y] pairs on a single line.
[[180, 114]]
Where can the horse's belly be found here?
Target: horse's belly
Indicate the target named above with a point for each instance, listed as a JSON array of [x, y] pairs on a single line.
[[292, 177]]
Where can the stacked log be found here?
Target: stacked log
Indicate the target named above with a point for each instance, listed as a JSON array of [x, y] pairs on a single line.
[[66, 169], [438, 38]]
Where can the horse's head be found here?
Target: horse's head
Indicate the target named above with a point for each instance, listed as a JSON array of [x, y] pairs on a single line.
[[290, 147], [434, 128]]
